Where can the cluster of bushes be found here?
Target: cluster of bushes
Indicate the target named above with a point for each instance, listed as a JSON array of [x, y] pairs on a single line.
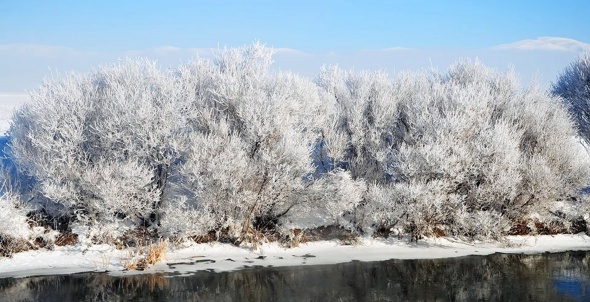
[[225, 148]]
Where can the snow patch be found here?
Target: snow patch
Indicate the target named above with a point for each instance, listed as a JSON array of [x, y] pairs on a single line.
[[190, 257]]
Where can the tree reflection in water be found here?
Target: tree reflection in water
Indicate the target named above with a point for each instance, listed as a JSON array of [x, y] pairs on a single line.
[[499, 277]]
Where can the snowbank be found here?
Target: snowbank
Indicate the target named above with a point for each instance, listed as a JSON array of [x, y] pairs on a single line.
[[218, 257]]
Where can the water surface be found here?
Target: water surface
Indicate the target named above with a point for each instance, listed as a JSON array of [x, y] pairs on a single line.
[[498, 277]]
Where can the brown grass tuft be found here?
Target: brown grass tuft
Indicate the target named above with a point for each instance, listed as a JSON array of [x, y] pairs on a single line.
[[142, 258], [156, 252], [350, 239], [209, 237], [10, 246], [68, 238], [294, 238]]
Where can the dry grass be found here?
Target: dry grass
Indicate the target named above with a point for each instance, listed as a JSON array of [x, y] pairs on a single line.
[[131, 261], [156, 252], [10, 246], [141, 258], [294, 238], [251, 237], [207, 238], [67, 238], [350, 239], [105, 262]]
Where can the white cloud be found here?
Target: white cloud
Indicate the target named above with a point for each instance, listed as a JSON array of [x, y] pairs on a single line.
[[289, 51], [546, 43], [163, 50], [25, 65], [167, 51], [390, 49], [201, 52], [39, 50]]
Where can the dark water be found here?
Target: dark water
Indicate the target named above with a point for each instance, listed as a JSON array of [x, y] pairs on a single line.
[[499, 277]]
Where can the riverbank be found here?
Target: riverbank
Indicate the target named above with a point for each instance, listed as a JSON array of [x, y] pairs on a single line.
[[190, 257]]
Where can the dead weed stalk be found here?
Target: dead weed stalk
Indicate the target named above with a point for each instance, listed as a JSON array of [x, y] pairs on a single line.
[[143, 257]]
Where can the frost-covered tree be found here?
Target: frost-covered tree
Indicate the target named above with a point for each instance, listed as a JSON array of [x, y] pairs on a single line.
[[14, 227], [573, 86], [364, 125], [100, 144], [226, 145], [252, 136], [13, 218], [445, 149], [224, 140]]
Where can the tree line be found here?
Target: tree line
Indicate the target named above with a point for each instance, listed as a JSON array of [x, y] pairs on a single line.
[[224, 146]]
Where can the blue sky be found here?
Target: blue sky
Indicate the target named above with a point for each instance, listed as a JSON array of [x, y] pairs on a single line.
[[539, 38]]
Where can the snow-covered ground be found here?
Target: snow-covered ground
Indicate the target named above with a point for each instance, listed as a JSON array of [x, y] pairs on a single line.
[[8, 103], [218, 257]]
